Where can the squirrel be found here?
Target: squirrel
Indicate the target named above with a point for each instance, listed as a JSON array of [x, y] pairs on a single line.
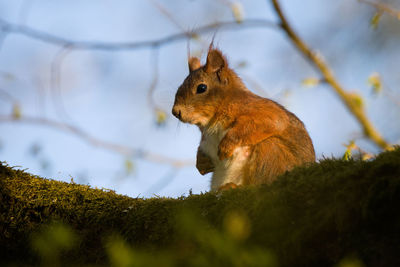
[[245, 138]]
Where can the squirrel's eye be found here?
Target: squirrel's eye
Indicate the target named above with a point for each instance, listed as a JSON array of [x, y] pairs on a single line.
[[201, 88]]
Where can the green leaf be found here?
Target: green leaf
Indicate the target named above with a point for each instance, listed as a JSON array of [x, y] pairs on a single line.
[[237, 11], [237, 225], [52, 240], [310, 82], [347, 155], [375, 20], [357, 99], [129, 166], [374, 80], [367, 156], [350, 262], [161, 117], [349, 148], [16, 111]]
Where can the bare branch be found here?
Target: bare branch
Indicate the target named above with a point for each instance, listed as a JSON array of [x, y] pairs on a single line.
[[117, 46], [318, 62], [384, 8], [120, 149]]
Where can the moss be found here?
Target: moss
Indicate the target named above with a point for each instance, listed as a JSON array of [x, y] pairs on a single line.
[[312, 216]]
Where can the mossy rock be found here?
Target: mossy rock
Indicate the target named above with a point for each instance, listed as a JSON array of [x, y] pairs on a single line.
[[331, 212]]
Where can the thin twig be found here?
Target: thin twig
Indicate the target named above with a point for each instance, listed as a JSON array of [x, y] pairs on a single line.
[[318, 62], [120, 149], [381, 7]]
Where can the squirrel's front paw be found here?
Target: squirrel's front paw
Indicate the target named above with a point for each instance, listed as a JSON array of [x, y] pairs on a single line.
[[204, 167], [204, 163], [227, 186], [225, 150]]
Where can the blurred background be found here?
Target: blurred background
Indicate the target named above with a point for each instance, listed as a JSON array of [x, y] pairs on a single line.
[[86, 87]]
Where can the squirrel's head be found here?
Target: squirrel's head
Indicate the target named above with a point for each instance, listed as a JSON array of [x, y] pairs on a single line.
[[203, 90]]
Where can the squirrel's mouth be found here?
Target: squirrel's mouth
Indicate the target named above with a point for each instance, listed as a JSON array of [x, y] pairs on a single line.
[[186, 115], [177, 113], [181, 113]]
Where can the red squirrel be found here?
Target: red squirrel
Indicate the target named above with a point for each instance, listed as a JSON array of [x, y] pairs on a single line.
[[245, 139]]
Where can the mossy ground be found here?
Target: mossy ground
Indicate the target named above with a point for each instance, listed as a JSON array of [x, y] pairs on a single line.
[[332, 212]]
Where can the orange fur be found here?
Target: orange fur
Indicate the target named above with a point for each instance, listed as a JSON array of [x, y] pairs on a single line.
[[246, 138]]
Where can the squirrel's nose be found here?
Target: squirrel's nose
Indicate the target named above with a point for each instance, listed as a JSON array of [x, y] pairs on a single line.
[[176, 112]]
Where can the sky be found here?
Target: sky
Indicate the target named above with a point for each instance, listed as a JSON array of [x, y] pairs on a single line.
[[105, 93]]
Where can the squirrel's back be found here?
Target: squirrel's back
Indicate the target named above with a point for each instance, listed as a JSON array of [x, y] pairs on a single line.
[[286, 144]]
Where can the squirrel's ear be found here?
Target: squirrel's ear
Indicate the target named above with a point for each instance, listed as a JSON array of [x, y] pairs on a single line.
[[215, 61], [194, 63]]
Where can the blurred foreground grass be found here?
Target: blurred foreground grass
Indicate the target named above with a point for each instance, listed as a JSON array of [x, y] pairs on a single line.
[[335, 212]]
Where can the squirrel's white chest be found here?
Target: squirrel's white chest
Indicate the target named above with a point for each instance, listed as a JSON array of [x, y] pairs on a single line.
[[209, 144], [228, 170]]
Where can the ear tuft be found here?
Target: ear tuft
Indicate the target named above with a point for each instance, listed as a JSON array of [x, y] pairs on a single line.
[[215, 61], [194, 63]]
